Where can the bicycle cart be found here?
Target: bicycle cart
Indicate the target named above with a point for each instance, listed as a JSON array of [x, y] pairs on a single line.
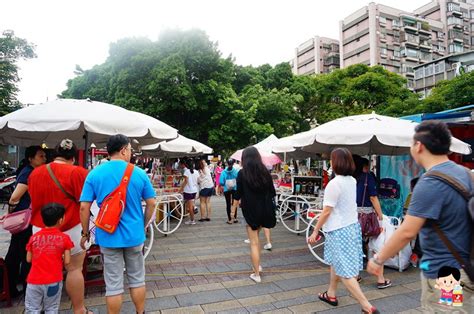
[[294, 206], [169, 211]]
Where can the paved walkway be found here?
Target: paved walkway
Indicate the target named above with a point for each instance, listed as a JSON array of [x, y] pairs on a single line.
[[205, 268]]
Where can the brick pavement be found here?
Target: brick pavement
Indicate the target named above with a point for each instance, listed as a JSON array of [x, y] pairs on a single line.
[[204, 269]]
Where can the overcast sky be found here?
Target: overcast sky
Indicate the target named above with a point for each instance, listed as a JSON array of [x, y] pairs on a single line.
[[255, 32]]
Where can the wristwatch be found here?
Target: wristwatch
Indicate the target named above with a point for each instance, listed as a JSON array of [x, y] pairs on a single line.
[[85, 234]]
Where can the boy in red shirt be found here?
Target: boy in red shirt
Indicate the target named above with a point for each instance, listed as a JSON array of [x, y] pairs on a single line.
[[45, 251]]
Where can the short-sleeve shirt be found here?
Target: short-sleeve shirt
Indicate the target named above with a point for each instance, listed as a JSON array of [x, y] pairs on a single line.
[[101, 182], [340, 194], [370, 191], [47, 247], [43, 191], [438, 202], [192, 186], [205, 179], [22, 178]]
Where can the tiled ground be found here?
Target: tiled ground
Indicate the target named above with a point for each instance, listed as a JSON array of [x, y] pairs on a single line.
[[205, 268]]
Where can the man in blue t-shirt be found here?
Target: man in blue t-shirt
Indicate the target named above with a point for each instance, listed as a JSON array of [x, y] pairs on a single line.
[[434, 201], [124, 245]]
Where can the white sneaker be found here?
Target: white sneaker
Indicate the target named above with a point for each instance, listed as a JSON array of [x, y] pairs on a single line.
[[267, 246], [247, 241], [190, 222], [255, 278]]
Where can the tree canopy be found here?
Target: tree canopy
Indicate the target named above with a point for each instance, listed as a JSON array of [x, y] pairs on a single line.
[[12, 49], [183, 80]]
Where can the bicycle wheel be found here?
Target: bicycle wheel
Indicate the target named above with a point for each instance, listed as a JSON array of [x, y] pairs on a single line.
[[317, 249], [170, 212], [150, 236], [293, 210]]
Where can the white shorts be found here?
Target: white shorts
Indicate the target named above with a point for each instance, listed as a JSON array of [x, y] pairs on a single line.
[[75, 234]]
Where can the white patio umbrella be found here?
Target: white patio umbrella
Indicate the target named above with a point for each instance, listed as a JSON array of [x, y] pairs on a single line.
[[179, 147], [362, 134], [83, 121]]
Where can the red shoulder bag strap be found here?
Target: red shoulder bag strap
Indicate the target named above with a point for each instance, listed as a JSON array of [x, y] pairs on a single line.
[[126, 176]]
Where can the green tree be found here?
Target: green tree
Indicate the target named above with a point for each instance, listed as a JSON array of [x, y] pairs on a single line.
[[451, 94], [12, 49]]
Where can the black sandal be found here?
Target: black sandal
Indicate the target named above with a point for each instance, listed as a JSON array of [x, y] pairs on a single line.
[[382, 285], [329, 300]]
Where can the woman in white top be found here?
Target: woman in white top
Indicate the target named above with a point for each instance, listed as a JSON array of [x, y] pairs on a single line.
[[189, 188], [206, 186], [343, 243]]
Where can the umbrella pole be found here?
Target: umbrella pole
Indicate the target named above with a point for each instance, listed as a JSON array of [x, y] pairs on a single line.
[[86, 150]]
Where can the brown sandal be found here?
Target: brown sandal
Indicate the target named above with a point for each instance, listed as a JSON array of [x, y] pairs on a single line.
[[329, 300]]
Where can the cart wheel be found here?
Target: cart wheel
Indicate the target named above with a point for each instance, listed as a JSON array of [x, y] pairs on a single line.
[[150, 236], [293, 210], [170, 213], [317, 249]]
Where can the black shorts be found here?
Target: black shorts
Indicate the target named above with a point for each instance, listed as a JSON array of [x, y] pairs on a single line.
[[208, 192]]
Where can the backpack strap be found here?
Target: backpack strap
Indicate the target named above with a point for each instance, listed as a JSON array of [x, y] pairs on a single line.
[[451, 181], [58, 184]]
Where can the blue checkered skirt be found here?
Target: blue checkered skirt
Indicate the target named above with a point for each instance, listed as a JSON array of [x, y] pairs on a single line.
[[343, 250]]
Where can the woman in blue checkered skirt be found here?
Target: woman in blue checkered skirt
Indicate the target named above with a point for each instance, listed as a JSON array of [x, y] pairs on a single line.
[[343, 243]]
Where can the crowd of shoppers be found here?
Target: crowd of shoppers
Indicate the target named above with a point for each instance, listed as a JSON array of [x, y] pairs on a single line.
[[61, 194]]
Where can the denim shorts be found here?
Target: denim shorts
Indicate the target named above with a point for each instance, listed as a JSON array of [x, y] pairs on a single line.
[[208, 192], [114, 261]]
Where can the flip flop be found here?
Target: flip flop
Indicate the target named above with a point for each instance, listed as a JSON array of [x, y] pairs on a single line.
[[329, 300], [228, 222], [382, 285]]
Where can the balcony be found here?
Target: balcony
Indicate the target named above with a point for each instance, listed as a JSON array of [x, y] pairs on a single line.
[[426, 44], [332, 61], [411, 28]]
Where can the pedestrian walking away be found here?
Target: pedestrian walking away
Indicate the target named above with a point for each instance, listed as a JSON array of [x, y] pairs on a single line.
[[256, 192], [123, 247], [228, 180], [206, 190], [189, 189], [343, 243]]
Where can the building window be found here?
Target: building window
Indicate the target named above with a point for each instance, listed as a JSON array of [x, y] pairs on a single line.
[[439, 67], [396, 23], [382, 19], [383, 51], [454, 20], [396, 53], [418, 73], [454, 7], [408, 52], [429, 70], [455, 48], [472, 14], [472, 40]]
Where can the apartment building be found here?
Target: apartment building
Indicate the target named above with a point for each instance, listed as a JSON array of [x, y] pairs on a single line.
[[428, 74], [316, 55], [398, 40], [457, 17]]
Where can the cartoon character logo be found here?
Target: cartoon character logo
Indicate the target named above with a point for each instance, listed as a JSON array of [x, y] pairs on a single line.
[[448, 283]]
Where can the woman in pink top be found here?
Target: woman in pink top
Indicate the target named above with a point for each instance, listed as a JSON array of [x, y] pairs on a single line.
[[217, 173]]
